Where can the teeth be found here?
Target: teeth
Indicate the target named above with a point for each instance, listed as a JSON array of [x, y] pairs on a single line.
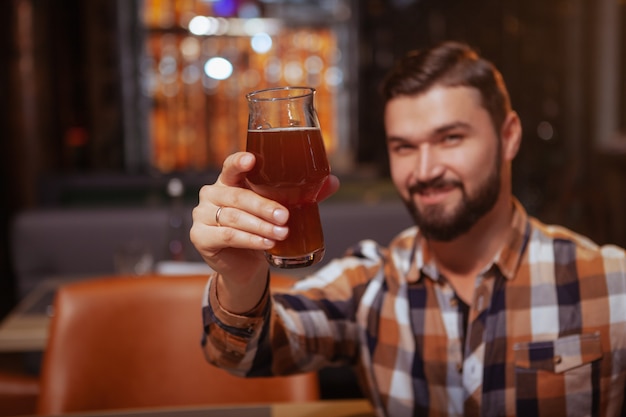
[[433, 191]]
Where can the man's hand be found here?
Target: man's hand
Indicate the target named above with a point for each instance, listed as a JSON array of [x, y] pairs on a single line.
[[248, 225]]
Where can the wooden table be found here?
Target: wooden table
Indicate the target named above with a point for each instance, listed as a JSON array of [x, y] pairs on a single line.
[[25, 328], [322, 408]]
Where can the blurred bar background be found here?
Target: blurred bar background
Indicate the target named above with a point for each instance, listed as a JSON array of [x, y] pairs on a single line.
[[104, 102]]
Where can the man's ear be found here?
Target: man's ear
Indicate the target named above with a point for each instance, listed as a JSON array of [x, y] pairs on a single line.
[[511, 136]]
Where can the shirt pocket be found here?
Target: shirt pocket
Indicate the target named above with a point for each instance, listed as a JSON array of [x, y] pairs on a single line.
[[558, 377]]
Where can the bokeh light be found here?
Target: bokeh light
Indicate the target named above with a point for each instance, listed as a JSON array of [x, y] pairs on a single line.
[[218, 68]]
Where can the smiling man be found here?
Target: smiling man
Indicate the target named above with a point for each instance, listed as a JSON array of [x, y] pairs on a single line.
[[478, 310], [450, 157]]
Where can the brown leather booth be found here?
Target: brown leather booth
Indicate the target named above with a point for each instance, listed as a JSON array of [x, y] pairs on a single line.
[[126, 342], [18, 393]]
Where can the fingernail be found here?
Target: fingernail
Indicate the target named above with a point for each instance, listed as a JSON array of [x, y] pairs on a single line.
[[281, 215], [246, 159], [280, 231]]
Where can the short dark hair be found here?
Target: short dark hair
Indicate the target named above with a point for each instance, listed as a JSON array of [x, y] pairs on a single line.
[[449, 64]]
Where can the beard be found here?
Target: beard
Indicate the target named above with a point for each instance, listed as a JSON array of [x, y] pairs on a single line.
[[436, 224]]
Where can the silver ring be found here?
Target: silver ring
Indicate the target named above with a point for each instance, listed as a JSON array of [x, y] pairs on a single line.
[[217, 216]]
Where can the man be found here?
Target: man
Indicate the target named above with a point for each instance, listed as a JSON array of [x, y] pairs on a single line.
[[478, 310]]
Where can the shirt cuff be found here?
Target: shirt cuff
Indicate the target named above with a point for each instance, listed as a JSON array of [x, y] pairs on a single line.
[[247, 320]]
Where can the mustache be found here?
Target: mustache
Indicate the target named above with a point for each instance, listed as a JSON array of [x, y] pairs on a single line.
[[435, 183]]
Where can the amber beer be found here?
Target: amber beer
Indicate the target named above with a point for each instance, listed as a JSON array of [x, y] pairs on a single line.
[[291, 167]]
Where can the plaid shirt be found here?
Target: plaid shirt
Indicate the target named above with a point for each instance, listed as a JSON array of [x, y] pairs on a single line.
[[545, 334]]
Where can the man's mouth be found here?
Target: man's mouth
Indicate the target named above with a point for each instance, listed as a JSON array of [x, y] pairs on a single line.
[[430, 191], [433, 195], [434, 191]]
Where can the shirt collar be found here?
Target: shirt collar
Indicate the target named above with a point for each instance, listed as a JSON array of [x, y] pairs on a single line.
[[507, 260]]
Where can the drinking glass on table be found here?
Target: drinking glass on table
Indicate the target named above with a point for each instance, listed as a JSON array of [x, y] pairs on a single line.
[[291, 167], [133, 257]]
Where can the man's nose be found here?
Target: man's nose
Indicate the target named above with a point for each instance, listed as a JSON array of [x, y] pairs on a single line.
[[429, 164]]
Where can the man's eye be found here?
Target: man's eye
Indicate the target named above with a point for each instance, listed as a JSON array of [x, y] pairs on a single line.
[[401, 147], [452, 138]]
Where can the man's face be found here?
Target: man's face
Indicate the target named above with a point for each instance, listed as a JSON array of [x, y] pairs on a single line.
[[445, 158]]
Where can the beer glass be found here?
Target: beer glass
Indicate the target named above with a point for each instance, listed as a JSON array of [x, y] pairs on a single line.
[[291, 167]]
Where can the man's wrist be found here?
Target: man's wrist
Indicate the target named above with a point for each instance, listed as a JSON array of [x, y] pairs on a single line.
[[256, 311]]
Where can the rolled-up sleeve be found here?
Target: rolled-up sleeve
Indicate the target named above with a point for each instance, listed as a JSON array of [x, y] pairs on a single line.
[[229, 339], [304, 328]]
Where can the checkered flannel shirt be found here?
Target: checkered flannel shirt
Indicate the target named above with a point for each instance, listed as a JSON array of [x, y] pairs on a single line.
[[545, 334]]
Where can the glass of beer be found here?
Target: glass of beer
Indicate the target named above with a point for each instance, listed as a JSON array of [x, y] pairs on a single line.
[[291, 167]]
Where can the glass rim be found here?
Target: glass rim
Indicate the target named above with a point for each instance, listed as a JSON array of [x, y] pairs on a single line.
[[256, 95]]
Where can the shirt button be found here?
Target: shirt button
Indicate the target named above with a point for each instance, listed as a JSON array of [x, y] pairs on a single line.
[[479, 303], [459, 368], [557, 359], [454, 302]]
